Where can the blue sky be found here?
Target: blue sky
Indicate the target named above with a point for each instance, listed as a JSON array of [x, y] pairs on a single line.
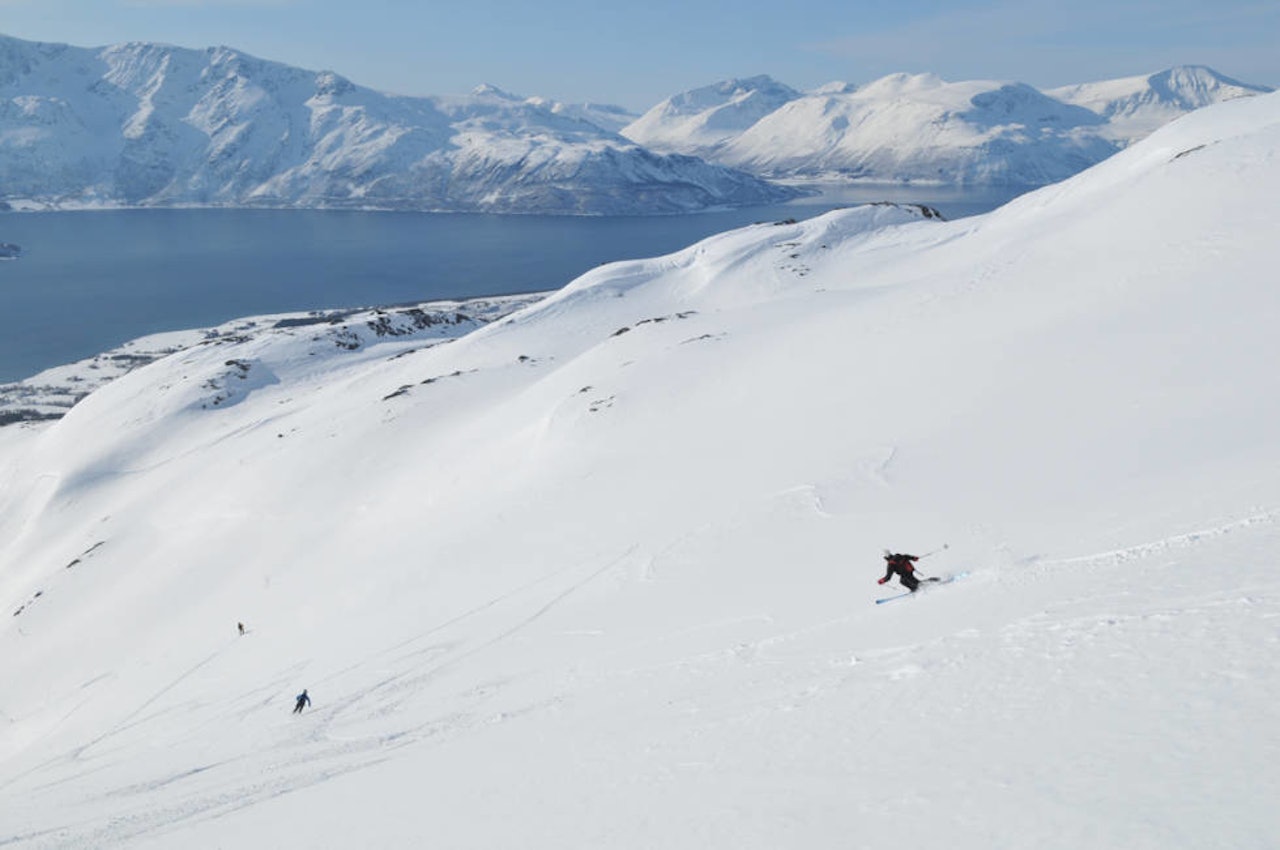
[[637, 53]]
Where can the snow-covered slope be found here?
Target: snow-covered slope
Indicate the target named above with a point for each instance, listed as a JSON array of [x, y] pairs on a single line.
[[919, 128], [158, 125], [601, 573]]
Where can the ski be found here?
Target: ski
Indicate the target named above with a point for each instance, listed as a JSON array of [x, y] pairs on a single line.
[[948, 579], [934, 580]]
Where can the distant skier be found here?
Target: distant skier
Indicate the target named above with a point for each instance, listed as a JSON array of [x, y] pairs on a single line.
[[904, 567], [240, 626], [303, 702]]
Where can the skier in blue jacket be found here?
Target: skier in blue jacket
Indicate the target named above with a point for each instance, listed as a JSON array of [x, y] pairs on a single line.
[[303, 702]]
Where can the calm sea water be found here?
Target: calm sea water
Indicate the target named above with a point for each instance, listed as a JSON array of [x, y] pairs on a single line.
[[89, 281]]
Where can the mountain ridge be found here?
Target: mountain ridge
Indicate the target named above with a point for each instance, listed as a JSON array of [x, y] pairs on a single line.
[[146, 124], [919, 128]]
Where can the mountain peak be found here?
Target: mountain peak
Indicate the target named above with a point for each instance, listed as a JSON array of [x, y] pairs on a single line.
[[709, 115], [902, 83], [1136, 106], [1194, 86], [728, 91], [491, 91]]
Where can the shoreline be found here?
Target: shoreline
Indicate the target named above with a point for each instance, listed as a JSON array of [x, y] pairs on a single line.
[[49, 394]]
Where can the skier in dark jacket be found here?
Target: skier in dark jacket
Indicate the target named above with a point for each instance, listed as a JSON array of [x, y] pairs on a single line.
[[904, 566], [303, 702]]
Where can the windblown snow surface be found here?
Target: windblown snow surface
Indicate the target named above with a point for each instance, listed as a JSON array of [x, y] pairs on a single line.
[[602, 573]]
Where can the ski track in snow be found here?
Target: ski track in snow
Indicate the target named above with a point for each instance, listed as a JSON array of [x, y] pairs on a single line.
[[315, 753], [1068, 632], [1116, 557]]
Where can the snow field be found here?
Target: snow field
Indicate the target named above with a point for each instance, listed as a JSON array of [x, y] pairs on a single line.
[[602, 572]]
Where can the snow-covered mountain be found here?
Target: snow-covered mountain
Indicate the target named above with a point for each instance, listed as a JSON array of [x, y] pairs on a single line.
[[148, 124], [919, 128], [704, 119], [1136, 106], [601, 572]]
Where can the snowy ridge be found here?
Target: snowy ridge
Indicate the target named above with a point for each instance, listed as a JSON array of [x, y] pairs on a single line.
[[147, 124], [51, 393], [601, 572], [920, 128]]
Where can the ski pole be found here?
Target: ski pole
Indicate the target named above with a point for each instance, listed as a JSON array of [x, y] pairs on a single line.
[[927, 554]]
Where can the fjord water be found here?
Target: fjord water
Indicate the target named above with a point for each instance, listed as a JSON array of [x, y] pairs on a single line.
[[89, 281]]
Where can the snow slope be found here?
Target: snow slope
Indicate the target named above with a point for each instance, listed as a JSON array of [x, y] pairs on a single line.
[[600, 573], [148, 124], [919, 128]]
